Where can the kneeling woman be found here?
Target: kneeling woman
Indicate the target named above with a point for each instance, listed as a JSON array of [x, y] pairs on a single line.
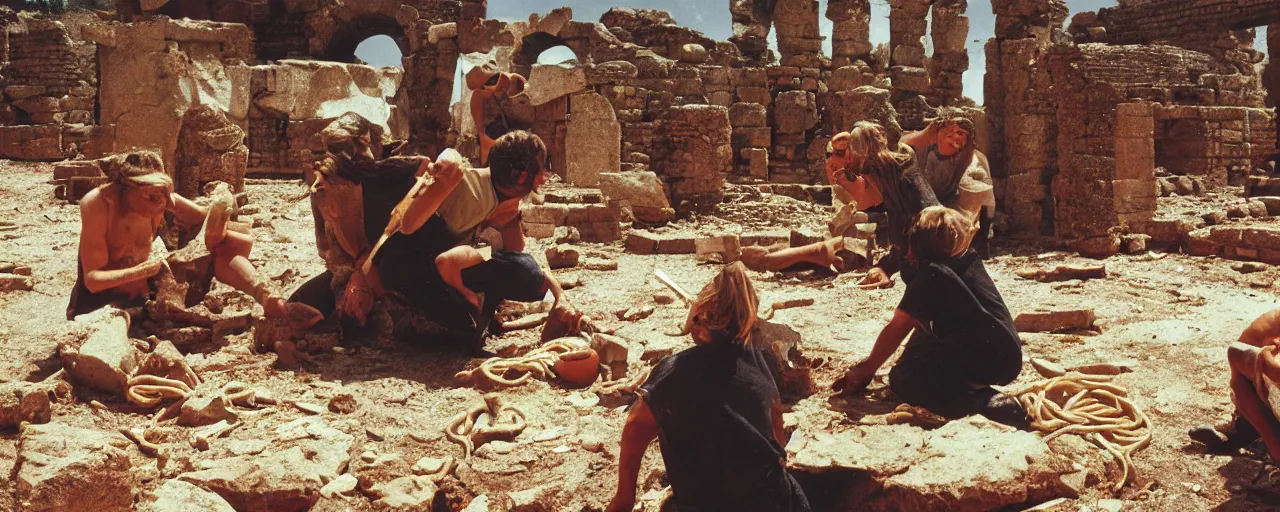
[[716, 412]]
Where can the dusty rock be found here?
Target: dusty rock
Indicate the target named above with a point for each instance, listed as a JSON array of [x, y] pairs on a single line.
[[15, 283], [1271, 202], [206, 405], [344, 484], [1065, 272], [664, 298], [600, 264], [592, 140], [562, 256], [343, 403], [405, 493], [636, 314], [66, 469], [972, 464], [179, 495], [720, 249], [107, 358], [1047, 369], [641, 191], [1054, 321], [1214, 218], [1249, 267], [310, 454], [428, 466], [550, 81], [23, 401]]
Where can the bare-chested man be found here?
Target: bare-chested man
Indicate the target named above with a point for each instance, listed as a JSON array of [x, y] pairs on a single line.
[[121, 219]]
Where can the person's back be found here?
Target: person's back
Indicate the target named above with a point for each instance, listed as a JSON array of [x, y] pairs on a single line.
[[713, 406], [716, 412], [957, 300]]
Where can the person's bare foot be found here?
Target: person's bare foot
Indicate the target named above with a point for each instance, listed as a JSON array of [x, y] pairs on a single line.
[[831, 247]]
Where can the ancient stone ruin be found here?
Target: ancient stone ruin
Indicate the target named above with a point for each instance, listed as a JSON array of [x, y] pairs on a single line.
[[1132, 150]]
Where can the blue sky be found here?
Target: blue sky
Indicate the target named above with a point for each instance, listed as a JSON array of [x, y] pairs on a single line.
[[711, 17]]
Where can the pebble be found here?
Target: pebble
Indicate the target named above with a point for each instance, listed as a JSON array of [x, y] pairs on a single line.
[[374, 433], [339, 486], [551, 434], [428, 466], [561, 449], [663, 298], [343, 403], [592, 444], [368, 456], [601, 265], [1047, 369], [309, 408]]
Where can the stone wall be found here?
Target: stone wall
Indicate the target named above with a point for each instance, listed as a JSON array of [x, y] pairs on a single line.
[[1222, 145], [49, 82], [694, 155], [153, 72], [1177, 20]]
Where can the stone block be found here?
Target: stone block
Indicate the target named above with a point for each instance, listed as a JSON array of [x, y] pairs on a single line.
[[600, 232], [1054, 320], [755, 95], [31, 142], [677, 245], [64, 468], [553, 214], [747, 114], [23, 401], [642, 242], [720, 249], [179, 495], [1135, 195], [539, 230], [1262, 238], [795, 112], [562, 256], [107, 357]]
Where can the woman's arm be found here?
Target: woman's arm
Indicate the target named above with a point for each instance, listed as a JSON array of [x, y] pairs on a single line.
[[859, 377], [640, 430]]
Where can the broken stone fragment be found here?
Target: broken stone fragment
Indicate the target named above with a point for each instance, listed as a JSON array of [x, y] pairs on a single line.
[[562, 256], [405, 493], [550, 81], [107, 357], [1065, 272], [206, 405], [15, 283], [23, 401], [1047, 369], [720, 249], [345, 484], [179, 495], [664, 298], [64, 468], [600, 264], [636, 314], [343, 403], [1055, 321]]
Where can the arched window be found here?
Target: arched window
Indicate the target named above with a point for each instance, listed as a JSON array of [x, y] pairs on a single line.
[[379, 51]]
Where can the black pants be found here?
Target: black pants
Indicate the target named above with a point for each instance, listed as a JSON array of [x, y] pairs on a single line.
[[950, 377]]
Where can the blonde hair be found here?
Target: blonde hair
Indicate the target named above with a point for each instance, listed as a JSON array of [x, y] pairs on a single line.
[[136, 169], [939, 233], [728, 302], [868, 139]]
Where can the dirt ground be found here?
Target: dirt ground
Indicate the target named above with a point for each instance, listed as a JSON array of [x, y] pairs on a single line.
[[1169, 316]]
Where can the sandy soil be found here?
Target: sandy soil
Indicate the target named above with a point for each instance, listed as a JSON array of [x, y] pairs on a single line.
[[1170, 316]]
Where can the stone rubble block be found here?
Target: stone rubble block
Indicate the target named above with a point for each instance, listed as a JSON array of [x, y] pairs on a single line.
[[1057, 320], [61, 468]]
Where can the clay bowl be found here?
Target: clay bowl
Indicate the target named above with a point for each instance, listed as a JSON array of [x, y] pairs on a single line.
[[579, 373]]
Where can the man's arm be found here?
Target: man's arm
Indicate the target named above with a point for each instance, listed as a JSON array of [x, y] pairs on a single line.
[[640, 430], [921, 140], [94, 254], [450, 264], [447, 175]]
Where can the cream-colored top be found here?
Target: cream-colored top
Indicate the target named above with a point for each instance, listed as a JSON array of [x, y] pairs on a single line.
[[470, 203]]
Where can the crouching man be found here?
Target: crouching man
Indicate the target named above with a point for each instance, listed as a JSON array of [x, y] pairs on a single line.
[[1255, 376], [431, 262], [120, 220]]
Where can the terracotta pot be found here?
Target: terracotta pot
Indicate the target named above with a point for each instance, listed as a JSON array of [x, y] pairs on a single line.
[[579, 373]]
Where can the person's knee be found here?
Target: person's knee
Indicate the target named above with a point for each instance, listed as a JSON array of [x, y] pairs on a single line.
[[528, 282], [1242, 358]]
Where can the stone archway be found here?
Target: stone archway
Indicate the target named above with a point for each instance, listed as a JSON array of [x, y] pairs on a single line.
[[341, 46]]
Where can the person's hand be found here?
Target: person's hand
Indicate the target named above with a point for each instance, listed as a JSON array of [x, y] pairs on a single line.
[[448, 169], [838, 160], [357, 300], [875, 278], [621, 503], [856, 379]]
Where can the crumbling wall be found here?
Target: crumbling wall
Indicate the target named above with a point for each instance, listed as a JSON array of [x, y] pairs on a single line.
[[293, 100], [695, 155], [1221, 145], [152, 72], [49, 81], [1183, 21]]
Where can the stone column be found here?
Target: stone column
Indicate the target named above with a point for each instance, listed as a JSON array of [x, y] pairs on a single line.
[[907, 27], [851, 33], [751, 21], [950, 58], [799, 41]]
